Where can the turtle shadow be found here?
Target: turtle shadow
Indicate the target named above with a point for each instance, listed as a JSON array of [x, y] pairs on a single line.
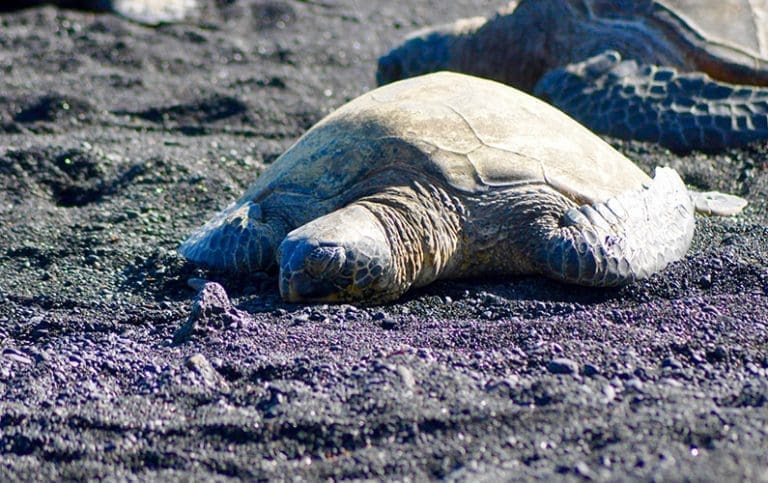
[[521, 289], [522, 297], [164, 276]]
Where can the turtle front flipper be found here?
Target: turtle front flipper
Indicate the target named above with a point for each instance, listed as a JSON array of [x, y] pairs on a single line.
[[626, 238], [682, 111], [238, 240]]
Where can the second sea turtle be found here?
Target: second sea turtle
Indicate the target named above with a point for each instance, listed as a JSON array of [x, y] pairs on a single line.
[[689, 74]]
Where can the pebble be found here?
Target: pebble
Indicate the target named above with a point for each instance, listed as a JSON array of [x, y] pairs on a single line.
[[406, 376], [210, 376], [17, 356], [705, 281], [634, 385], [492, 299], [583, 470], [672, 363], [609, 392], [388, 323], [718, 354], [562, 365], [317, 316], [590, 370]]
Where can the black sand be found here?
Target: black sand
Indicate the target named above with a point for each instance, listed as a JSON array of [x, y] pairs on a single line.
[[117, 139]]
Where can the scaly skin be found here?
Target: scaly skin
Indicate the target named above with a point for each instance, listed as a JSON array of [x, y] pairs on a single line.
[[373, 250], [376, 249], [624, 239], [682, 111]]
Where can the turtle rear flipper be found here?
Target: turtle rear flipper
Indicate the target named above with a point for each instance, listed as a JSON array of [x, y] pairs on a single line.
[[717, 203], [682, 111], [626, 238]]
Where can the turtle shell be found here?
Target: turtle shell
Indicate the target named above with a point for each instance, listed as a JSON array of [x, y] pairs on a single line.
[[463, 133], [728, 39]]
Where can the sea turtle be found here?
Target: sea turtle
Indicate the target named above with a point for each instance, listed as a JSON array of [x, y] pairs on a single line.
[[684, 73], [445, 176], [148, 12]]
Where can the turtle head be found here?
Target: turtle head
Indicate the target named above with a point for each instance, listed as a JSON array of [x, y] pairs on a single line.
[[424, 52], [341, 257], [427, 50]]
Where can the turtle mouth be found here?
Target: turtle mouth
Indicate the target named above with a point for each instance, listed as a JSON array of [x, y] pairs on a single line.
[[301, 287], [313, 272]]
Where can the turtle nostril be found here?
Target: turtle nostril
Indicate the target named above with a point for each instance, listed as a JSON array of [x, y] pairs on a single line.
[[324, 261]]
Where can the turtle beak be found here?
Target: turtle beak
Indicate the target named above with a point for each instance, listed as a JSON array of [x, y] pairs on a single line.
[[304, 273], [300, 287]]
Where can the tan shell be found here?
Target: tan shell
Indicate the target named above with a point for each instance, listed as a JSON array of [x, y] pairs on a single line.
[[493, 138], [727, 39], [738, 28]]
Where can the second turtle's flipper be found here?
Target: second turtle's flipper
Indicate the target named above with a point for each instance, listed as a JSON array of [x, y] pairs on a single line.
[[153, 12], [682, 111], [626, 238]]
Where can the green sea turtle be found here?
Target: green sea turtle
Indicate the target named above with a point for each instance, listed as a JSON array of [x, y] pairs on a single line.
[[684, 73], [148, 12], [446, 176]]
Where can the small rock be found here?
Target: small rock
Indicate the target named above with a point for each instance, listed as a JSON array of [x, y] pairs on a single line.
[[590, 370], [634, 385], [317, 316], [210, 376], [718, 354], [300, 318], [583, 470], [562, 365], [388, 323], [609, 392], [211, 310], [492, 299], [705, 281], [17, 356], [710, 309], [672, 363], [671, 382], [406, 376], [379, 316]]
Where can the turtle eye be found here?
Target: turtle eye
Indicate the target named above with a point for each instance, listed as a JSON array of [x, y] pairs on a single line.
[[324, 260]]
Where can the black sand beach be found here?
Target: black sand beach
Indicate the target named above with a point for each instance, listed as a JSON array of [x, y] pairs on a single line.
[[117, 139]]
